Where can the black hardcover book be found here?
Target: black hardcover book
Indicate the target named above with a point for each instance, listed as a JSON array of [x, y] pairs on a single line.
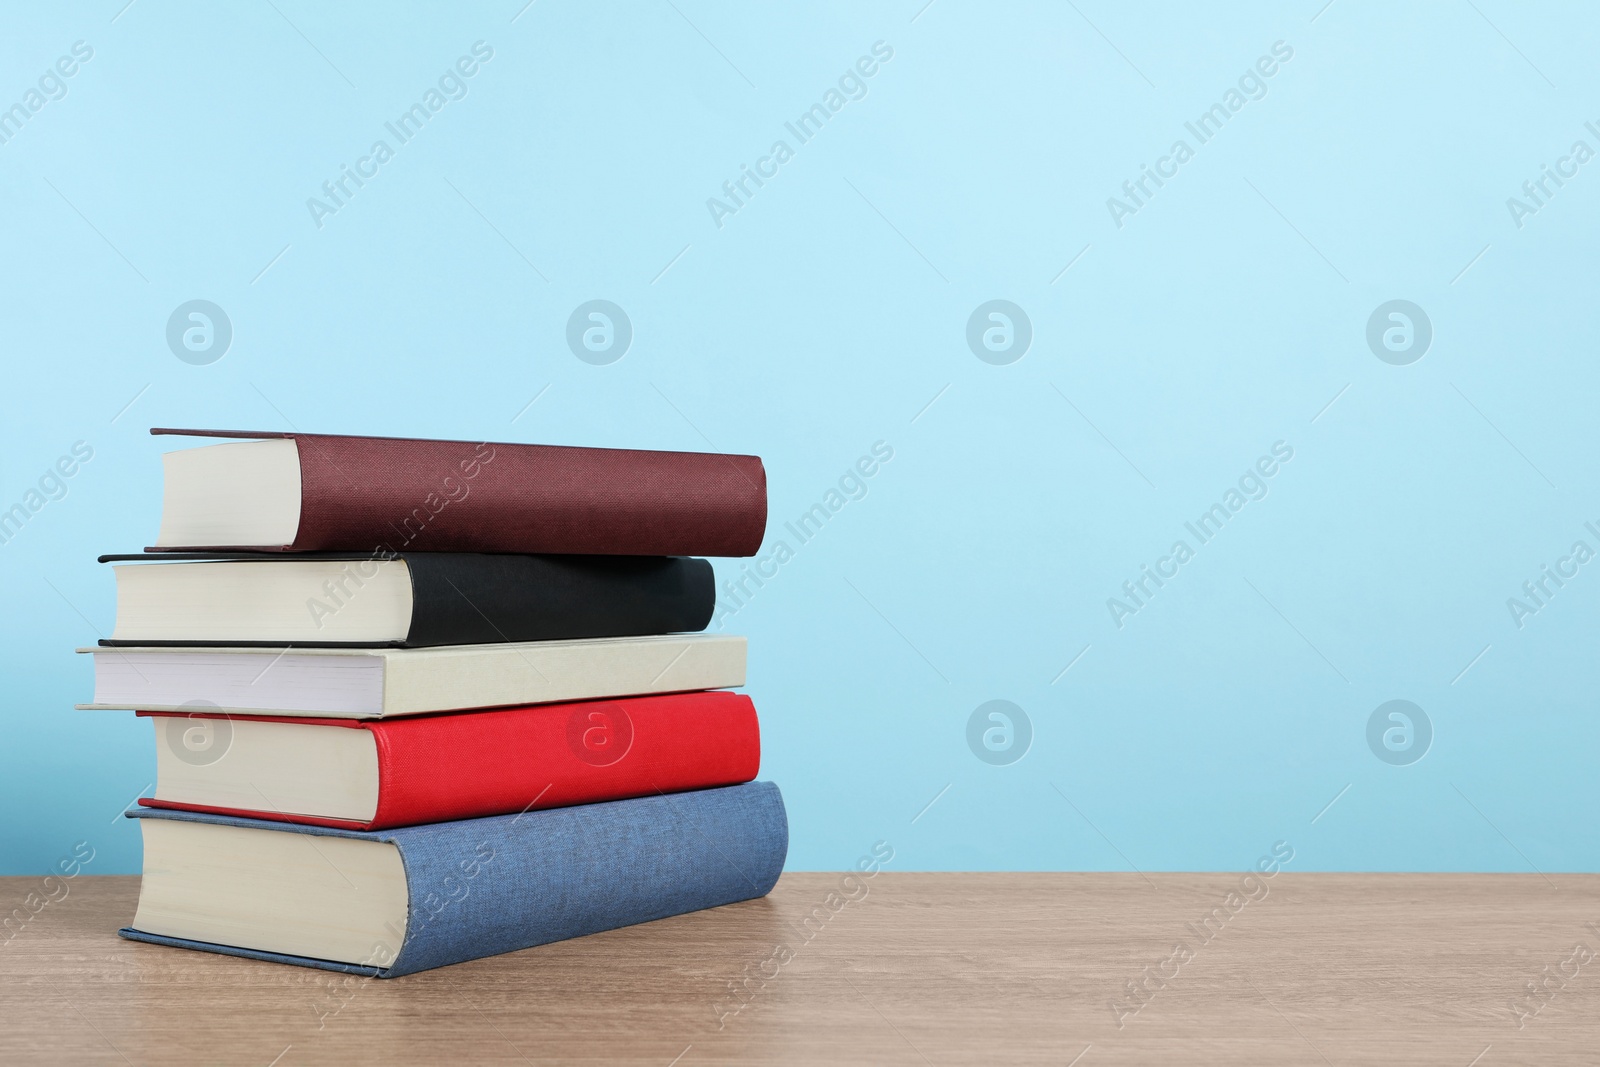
[[408, 600]]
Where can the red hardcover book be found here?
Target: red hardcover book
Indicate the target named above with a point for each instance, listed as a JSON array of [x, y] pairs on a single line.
[[371, 775], [300, 492]]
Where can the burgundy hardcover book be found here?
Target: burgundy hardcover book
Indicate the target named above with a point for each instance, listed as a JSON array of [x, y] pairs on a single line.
[[297, 492]]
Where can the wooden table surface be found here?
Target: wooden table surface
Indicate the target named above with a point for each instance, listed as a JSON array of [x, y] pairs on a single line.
[[925, 969]]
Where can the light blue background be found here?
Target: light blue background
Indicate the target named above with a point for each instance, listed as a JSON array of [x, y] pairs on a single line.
[[823, 317]]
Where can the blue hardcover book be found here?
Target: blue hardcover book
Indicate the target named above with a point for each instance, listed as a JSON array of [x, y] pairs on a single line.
[[392, 902]]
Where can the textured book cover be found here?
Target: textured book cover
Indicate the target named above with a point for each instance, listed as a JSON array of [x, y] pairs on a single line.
[[436, 768], [379, 683], [463, 496], [550, 875], [469, 598]]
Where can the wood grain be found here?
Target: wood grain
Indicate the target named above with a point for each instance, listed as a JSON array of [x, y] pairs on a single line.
[[925, 969]]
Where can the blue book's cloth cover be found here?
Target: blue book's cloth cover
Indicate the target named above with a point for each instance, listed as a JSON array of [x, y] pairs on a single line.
[[479, 887]]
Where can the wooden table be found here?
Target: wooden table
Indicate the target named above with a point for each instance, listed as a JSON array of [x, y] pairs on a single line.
[[926, 969]]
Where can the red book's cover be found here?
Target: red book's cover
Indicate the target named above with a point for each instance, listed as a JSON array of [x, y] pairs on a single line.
[[364, 493], [466, 765]]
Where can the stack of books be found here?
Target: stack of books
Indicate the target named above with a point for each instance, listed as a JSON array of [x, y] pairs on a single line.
[[419, 702]]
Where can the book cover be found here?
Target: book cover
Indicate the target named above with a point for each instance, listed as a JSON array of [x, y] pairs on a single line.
[[467, 598], [550, 875], [357, 493], [377, 683], [437, 768]]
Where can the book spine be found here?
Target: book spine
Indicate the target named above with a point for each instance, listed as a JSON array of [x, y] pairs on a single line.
[[487, 676], [444, 767], [479, 598], [487, 886], [251, 813], [393, 495]]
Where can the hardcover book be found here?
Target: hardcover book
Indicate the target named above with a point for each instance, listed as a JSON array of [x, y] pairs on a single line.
[[412, 600], [379, 683], [394, 902], [299, 492], [437, 768]]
